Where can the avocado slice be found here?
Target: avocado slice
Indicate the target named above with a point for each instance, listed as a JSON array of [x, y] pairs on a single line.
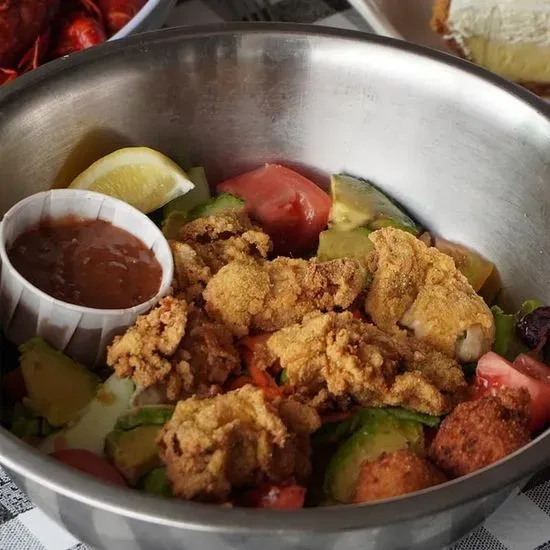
[[333, 433], [153, 415], [58, 387], [381, 433], [134, 452], [471, 264], [217, 205], [96, 421], [358, 203], [156, 483], [334, 244]]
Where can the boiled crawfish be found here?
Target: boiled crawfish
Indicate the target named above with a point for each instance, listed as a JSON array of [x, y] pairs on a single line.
[[118, 13], [78, 26], [35, 31], [21, 22]]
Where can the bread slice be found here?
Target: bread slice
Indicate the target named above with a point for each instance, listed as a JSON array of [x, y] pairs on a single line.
[[526, 62]]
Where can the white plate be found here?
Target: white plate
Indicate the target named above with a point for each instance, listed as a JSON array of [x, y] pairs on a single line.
[[403, 19]]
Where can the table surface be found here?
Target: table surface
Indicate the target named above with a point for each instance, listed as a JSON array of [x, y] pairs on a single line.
[[521, 523]]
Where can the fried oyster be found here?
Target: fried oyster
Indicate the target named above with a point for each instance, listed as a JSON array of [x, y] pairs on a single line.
[[175, 350], [420, 288], [239, 439], [266, 296], [206, 244], [336, 355]]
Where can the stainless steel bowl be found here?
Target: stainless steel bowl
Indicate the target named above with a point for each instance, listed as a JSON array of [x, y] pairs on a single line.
[[467, 152]]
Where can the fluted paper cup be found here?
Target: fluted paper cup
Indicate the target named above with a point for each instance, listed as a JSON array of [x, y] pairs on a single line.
[[81, 332]]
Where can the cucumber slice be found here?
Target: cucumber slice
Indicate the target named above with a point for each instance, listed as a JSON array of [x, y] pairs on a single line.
[[153, 415], [217, 205]]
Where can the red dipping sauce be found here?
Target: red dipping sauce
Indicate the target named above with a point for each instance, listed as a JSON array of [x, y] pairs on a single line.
[[88, 263]]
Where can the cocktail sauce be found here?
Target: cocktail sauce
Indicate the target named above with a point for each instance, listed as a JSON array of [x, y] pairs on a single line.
[[89, 263]]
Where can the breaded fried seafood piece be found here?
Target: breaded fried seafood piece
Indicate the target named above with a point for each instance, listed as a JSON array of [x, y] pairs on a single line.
[[266, 296], [395, 474], [478, 433], [206, 244], [242, 438], [209, 349], [143, 352], [335, 355], [174, 350], [191, 273], [420, 288]]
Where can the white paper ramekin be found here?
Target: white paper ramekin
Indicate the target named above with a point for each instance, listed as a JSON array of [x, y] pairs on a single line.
[[81, 332]]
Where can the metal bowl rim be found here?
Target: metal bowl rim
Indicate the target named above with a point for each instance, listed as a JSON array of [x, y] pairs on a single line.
[[18, 457]]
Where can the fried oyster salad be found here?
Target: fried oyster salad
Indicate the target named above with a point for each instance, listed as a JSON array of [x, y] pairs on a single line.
[[316, 349]]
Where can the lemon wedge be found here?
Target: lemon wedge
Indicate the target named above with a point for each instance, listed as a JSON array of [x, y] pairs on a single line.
[[140, 176]]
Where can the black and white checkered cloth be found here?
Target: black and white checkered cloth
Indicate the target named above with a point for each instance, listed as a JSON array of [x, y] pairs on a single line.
[[521, 523]]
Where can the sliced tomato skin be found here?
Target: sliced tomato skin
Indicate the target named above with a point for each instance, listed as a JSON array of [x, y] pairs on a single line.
[[289, 206], [91, 464], [277, 497], [494, 372], [531, 367]]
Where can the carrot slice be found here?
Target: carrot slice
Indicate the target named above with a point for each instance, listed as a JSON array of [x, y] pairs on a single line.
[[261, 378], [273, 392], [254, 342]]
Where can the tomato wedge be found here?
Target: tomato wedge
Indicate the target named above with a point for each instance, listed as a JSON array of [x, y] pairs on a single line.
[[276, 497], [91, 464], [290, 207], [494, 372]]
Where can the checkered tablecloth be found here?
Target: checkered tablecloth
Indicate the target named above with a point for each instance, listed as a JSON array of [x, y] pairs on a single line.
[[521, 523]]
